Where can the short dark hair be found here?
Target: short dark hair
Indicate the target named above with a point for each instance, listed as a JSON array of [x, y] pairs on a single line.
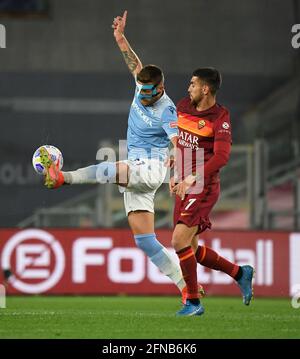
[[150, 73], [211, 77]]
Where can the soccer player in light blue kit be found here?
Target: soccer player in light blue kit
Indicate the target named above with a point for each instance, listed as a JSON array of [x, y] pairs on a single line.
[[150, 130]]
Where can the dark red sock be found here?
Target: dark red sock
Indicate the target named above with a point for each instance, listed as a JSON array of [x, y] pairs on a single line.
[[188, 266], [210, 259]]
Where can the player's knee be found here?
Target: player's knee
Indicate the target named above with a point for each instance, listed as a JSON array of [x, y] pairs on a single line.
[[148, 243], [106, 172], [181, 238], [176, 241]]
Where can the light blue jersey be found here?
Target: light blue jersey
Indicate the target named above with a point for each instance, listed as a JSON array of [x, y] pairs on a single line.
[[150, 128]]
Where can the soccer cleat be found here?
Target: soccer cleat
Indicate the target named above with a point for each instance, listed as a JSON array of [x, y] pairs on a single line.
[[184, 293], [245, 284], [53, 177], [189, 309]]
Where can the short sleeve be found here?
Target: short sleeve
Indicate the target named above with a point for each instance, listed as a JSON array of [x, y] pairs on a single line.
[[169, 119], [222, 128]]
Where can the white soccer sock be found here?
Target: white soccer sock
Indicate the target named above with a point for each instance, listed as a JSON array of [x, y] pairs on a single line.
[[81, 176], [104, 172], [167, 265]]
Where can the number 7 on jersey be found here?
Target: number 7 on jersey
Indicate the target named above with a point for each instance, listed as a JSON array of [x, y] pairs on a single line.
[[191, 201]]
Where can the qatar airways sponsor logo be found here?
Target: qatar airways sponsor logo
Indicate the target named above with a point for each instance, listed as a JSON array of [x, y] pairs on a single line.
[[188, 140]]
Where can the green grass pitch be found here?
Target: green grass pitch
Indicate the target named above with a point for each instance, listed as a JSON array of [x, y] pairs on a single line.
[[145, 317]]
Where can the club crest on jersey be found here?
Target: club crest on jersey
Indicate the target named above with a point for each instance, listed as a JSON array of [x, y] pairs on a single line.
[[225, 125], [201, 124]]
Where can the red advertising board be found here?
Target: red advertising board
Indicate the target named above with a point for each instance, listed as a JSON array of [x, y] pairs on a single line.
[[63, 261]]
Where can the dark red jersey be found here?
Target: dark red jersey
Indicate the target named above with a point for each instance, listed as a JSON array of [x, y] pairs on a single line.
[[210, 130]]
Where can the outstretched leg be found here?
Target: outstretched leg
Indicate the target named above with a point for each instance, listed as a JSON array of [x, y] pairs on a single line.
[[104, 172]]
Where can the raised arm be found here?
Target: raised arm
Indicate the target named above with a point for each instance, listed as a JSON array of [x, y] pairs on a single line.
[[133, 62]]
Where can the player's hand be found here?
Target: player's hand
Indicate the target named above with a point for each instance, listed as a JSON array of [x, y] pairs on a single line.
[[119, 24], [171, 185], [182, 187]]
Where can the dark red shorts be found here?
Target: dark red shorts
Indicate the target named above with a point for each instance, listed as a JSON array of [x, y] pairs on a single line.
[[195, 208]]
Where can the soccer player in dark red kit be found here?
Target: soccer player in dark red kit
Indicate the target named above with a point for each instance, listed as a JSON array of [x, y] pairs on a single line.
[[203, 125]]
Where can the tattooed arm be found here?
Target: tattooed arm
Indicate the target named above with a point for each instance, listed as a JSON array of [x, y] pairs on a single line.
[[133, 62]]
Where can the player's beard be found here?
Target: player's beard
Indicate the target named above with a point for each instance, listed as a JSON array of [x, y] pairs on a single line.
[[196, 99]]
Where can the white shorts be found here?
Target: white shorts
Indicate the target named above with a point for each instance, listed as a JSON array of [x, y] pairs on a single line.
[[145, 177]]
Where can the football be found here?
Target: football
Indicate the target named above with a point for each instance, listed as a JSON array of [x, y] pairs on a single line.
[[38, 160]]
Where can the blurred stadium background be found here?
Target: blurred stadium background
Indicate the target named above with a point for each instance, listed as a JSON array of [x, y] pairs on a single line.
[[64, 82]]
